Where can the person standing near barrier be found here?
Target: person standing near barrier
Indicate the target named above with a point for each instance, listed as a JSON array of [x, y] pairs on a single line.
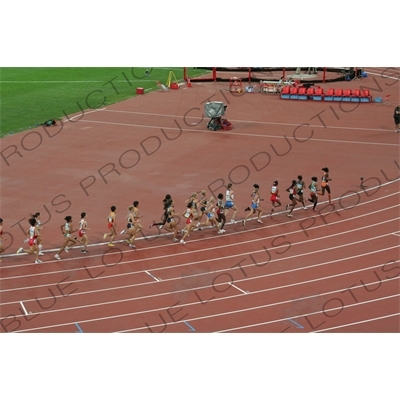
[[396, 117]]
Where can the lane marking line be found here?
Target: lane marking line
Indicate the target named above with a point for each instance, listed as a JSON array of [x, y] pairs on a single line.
[[148, 273]]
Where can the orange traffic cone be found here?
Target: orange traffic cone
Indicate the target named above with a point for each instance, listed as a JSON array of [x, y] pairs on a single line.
[[189, 84]]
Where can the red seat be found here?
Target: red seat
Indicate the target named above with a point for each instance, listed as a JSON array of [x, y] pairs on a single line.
[[356, 93], [338, 92], [347, 92], [293, 90], [365, 93], [302, 90], [310, 91], [319, 91], [330, 92], [285, 90]]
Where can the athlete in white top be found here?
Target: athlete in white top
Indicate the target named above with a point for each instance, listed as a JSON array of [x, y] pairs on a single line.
[[230, 202]]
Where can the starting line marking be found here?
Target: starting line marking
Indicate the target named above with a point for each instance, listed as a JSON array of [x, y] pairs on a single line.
[[298, 325], [241, 290], [79, 328], [190, 326], [148, 273]]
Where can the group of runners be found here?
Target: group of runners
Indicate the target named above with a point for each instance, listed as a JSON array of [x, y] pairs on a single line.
[[200, 212]]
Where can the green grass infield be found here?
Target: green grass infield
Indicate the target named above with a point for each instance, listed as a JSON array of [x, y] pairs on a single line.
[[31, 96]]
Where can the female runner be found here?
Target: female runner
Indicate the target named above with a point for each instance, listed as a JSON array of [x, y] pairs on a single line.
[[292, 196], [136, 226], [39, 228], [274, 197], [189, 215], [255, 205], [171, 224], [230, 202], [166, 202], [112, 226], [221, 218], [67, 229], [314, 192], [325, 185], [300, 190], [201, 207], [32, 241], [82, 232], [211, 211]]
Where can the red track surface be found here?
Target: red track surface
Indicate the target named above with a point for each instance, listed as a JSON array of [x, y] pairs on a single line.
[[336, 270]]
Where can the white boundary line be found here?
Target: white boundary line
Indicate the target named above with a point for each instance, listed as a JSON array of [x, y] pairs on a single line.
[[209, 249], [183, 117], [236, 133], [180, 278], [248, 230], [358, 322], [212, 315], [225, 257], [313, 313]]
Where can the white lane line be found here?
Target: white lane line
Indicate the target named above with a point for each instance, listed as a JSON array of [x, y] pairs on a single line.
[[236, 133], [358, 322]]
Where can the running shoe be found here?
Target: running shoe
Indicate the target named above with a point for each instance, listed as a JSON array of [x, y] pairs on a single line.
[[290, 215], [122, 232], [84, 251], [66, 249], [20, 250], [259, 221], [111, 245], [105, 235], [41, 254], [182, 242], [38, 261], [243, 222], [57, 257]]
